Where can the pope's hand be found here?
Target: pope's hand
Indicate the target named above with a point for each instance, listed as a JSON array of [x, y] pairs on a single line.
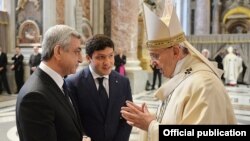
[[137, 116], [86, 138]]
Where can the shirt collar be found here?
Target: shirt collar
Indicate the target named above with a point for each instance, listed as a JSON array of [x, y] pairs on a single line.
[[53, 74]]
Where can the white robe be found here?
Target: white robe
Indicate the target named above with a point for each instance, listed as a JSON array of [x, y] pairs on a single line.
[[195, 96], [232, 68]]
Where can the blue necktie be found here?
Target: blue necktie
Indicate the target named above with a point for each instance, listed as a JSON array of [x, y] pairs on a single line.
[[103, 97]]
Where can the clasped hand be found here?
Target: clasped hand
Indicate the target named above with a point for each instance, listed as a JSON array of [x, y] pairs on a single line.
[[137, 116], [86, 138]]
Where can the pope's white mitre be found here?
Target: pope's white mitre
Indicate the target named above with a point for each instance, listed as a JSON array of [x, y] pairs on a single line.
[[165, 31]]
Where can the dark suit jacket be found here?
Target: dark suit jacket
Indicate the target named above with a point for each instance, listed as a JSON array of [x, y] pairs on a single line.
[[43, 113], [99, 127], [18, 62], [34, 61], [3, 62]]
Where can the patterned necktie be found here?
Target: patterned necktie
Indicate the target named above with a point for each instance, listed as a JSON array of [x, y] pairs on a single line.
[[103, 97]]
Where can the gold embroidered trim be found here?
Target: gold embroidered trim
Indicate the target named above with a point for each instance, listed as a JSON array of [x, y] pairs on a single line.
[[165, 43], [163, 108]]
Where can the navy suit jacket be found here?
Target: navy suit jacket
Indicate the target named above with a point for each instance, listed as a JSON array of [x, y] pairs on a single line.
[[99, 127], [43, 112]]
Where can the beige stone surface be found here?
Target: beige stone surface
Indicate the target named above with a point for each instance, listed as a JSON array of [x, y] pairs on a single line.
[[60, 12], [86, 8], [202, 23], [124, 25]]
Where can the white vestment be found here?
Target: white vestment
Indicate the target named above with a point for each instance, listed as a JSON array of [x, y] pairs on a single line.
[[195, 95], [232, 68]]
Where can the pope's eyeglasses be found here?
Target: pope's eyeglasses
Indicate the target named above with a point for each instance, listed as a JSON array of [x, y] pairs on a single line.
[[156, 56]]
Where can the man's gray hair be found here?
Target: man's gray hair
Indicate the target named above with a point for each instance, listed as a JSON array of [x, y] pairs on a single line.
[[57, 35]]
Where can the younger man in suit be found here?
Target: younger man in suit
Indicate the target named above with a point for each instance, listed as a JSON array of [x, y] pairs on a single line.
[[44, 109], [100, 93]]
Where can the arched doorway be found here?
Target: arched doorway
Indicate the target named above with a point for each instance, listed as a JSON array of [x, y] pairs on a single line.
[[236, 20]]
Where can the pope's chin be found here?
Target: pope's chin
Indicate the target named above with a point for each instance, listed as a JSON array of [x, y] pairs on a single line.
[[164, 74]]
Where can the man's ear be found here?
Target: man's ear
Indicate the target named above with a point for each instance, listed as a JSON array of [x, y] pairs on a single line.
[[177, 51], [88, 58], [57, 52]]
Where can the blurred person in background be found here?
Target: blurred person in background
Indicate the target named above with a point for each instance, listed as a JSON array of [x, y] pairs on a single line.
[[35, 59], [18, 68], [3, 68]]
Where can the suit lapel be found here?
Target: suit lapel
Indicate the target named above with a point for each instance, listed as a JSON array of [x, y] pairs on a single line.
[[57, 92], [113, 93], [76, 111]]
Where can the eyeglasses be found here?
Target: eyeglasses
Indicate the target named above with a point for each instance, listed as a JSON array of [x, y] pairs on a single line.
[[156, 56]]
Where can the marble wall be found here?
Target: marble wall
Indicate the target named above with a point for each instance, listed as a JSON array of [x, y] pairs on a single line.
[[107, 17], [124, 24], [60, 6], [86, 8], [202, 23]]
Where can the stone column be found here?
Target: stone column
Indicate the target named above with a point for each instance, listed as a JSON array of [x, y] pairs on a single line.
[[124, 29], [216, 17], [86, 8], [78, 16], [71, 13], [186, 16], [124, 33], [11, 9], [49, 15], [202, 17], [107, 17], [60, 12], [142, 51], [97, 16]]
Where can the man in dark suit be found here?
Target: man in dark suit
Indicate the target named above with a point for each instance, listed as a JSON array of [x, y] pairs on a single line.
[[120, 61], [35, 59], [3, 69], [18, 68], [156, 73], [44, 109], [100, 92]]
